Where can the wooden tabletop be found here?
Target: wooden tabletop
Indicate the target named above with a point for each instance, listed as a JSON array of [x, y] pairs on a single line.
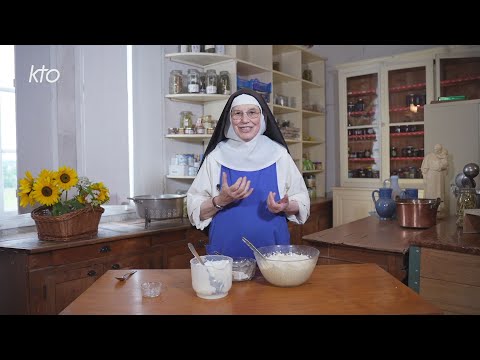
[[369, 233], [332, 289]]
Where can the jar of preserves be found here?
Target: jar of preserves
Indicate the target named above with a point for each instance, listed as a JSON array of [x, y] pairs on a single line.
[[176, 82], [393, 152], [193, 81], [211, 81], [224, 85]]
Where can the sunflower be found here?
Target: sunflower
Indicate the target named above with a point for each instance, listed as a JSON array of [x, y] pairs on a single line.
[[66, 177], [26, 184], [103, 193], [27, 199], [47, 173], [45, 191]]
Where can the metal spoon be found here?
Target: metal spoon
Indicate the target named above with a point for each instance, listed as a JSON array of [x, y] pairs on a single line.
[[216, 283], [251, 246], [194, 252], [126, 276]]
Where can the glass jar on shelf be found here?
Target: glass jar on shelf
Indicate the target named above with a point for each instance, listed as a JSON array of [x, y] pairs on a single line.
[[211, 81], [176, 82], [186, 119], [210, 48], [224, 85], [193, 81]]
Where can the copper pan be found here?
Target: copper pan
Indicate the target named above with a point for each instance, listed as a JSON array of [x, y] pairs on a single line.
[[417, 213]]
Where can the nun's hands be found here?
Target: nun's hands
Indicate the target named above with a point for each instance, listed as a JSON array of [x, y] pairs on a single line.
[[229, 193], [276, 207]]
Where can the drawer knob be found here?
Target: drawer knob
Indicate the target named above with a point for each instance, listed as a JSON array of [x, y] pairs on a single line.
[[92, 273], [105, 249], [115, 266]]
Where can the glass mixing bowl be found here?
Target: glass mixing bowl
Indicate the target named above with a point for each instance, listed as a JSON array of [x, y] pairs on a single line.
[[287, 265]]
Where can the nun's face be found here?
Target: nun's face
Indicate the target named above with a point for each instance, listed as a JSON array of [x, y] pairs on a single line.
[[246, 121]]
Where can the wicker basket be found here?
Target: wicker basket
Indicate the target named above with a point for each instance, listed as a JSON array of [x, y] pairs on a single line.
[[78, 224]]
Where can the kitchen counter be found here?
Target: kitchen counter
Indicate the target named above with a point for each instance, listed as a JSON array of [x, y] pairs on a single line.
[[447, 236], [369, 239], [332, 289], [26, 238]]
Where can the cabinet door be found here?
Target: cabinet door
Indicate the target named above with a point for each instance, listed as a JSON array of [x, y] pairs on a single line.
[[351, 204], [73, 280], [360, 127], [178, 256], [410, 87], [458, 75]]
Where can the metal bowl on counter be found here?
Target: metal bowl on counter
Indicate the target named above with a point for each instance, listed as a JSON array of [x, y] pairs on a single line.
[[159, 207], [417, 213]]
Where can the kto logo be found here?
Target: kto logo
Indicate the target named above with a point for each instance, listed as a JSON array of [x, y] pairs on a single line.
[[51, 75]]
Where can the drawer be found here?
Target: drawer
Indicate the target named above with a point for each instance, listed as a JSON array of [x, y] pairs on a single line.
[[168, 237], [141, 261], [100, 250]]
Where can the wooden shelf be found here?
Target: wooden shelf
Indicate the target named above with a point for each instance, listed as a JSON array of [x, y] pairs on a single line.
[[406, 158], [194, 137], [453, 82], [311, 142], [280, 77], [245, 68], [279, 109], [196, 98], [407, 87], [360, 113], [363, 137], [362, 92], [412, 133], [362, 159], [402, 109], [310, 85], [312, 171], [198, 59]]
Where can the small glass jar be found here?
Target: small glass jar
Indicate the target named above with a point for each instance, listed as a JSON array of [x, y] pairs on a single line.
[[193, 81], [203, 83], [186, 119], [176, 82], [224, 85], [211, 81], [467, 199]]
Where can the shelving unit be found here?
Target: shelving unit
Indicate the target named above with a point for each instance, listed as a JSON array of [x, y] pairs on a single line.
[[255, 62]]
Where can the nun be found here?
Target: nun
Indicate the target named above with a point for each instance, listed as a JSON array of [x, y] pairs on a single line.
[[247, 184]]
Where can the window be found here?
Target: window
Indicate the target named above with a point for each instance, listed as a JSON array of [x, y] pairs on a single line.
[[8, 146]]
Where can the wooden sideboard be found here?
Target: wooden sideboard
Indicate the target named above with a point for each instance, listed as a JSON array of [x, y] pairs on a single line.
[[43, 277]]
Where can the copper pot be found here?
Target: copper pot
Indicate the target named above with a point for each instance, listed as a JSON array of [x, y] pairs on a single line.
[[417, 213]]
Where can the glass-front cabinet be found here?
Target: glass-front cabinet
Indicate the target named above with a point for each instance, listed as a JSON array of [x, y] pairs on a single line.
[[458, 76], [360, 126], [410, 87], [381, 122]]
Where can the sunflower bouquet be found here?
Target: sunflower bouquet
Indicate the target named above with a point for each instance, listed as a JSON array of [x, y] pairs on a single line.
[[61, 191]]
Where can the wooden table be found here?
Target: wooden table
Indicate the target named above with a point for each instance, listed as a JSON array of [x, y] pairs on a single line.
[[332, 289]]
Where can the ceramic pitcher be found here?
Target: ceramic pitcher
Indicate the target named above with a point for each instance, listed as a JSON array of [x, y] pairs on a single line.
[[384, 205]]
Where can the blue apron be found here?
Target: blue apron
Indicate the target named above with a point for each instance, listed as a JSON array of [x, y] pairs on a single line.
[[248, 217]]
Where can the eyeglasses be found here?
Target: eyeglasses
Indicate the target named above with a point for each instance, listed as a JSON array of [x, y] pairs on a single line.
[[251, 114]]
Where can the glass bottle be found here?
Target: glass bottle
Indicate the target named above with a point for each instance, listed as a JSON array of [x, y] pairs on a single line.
[[176, 82], [224, 85], [193, 81], [186, 119], [467, 199], [203, 83], [211, 81]]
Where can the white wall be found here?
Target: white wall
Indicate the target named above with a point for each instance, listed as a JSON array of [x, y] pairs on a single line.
[[35, 103], [339, 54], [102, 129]]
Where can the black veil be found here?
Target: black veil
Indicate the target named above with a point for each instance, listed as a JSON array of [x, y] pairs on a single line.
[[272, 130]]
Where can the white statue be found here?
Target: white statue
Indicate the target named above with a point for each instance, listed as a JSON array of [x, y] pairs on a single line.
[[434, 170]]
